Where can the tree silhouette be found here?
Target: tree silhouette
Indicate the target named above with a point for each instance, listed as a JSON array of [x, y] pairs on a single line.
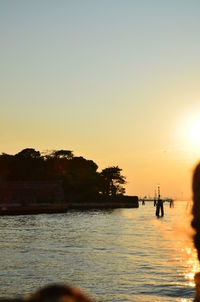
[[28, 153], [80, 179], [63, 154], [27, 165], [78, 176], [112, 181]]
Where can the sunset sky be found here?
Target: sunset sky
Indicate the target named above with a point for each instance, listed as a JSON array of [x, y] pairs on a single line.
[[116, 81]]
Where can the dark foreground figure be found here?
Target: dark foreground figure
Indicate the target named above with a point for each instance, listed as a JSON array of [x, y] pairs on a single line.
[[63, 293], [196, 223], [53, 293]]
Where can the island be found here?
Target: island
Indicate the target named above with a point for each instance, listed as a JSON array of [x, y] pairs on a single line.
[[56, 182]]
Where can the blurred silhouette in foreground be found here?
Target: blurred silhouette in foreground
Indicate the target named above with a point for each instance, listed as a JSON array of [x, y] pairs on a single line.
[[53, 293], [196, 223]]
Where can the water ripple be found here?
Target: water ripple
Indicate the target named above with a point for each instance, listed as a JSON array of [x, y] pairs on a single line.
[[121, 255]]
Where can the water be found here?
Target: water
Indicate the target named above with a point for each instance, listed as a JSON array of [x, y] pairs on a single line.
[[121, 255]]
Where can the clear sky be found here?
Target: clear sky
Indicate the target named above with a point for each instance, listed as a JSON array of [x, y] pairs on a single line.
[[116, 81]]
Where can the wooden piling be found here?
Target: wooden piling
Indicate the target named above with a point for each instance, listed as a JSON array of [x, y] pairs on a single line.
[[159, 208]]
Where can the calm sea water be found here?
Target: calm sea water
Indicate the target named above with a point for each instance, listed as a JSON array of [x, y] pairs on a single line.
[[121, 255]]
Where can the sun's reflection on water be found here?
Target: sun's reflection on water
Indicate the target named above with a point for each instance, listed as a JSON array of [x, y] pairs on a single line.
[[192, 265], [183, 233]]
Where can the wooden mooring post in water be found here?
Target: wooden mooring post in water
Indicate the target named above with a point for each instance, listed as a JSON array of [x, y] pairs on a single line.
[[158, 202], [159, 205]]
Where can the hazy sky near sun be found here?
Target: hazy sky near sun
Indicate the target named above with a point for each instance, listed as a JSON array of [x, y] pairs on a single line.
[[115, 81]]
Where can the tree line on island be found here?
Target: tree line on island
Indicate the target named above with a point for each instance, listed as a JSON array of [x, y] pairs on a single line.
[[79, 176]]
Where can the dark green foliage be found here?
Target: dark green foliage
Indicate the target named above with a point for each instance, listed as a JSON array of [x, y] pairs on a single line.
[[79, 176]]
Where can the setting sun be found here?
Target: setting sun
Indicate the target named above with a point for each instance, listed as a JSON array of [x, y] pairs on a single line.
[[189, 131], [193, 131]]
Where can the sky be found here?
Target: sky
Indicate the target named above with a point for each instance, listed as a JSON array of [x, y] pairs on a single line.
[[115, 81]]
